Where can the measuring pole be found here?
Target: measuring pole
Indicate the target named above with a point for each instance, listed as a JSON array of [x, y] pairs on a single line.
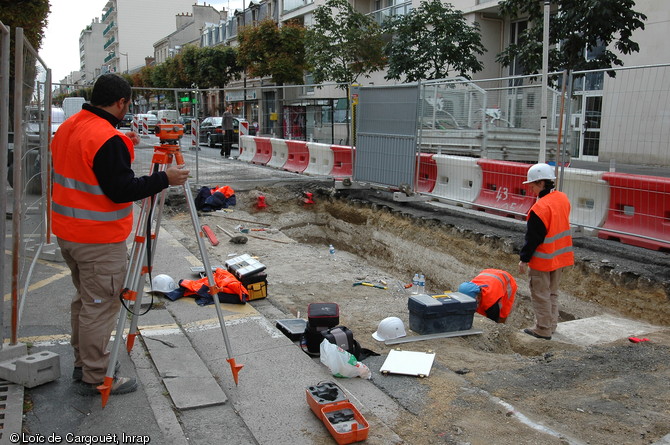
[[545, 84]]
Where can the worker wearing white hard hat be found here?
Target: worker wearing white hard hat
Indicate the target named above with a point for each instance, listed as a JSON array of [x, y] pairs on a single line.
[[389, 328], [547, 249]]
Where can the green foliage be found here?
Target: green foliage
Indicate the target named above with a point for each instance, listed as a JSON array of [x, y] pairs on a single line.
[[215, 67], [31, 15], [431, 41], [268, 50], [343, 44], [579, 24], [205, 67]]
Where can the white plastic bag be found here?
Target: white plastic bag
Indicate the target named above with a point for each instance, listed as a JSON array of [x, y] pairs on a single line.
[[341, 363]]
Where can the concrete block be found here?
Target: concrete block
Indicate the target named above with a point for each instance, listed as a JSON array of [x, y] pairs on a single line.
[[51, 252], [11, 352], [32, 370]]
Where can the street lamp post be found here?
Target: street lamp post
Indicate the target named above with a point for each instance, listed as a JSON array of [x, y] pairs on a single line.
[[125, 54]]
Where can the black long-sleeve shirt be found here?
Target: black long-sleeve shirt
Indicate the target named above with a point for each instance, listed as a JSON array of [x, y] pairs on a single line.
[[111, 166], [535, 233]]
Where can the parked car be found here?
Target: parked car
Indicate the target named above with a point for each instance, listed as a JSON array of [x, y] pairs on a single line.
[[186, 122], [127, 121], [152, 120], [212, 133]]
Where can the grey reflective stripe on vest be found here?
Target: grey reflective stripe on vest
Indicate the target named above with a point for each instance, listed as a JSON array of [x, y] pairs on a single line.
[[548, 256], [77, 185], [92, 214], [504, 284], [556, 237]]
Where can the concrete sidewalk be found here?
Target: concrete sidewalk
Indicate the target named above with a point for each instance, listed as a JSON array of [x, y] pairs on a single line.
[[187, 393]]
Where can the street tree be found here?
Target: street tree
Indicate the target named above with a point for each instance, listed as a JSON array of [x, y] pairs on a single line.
[[430, 42], [576, 26], [267, 50], [343, 44], [212, 67]]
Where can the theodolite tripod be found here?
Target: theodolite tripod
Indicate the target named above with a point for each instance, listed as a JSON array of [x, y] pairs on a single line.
[[144, 247]]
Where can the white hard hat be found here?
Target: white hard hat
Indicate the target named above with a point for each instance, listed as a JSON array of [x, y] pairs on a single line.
[[540, 171], [163, 283], [389, 328]]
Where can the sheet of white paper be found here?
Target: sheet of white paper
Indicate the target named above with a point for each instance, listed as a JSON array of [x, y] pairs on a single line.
[[408, 363]]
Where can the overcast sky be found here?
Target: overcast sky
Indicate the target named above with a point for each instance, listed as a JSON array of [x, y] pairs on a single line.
[[60, 46]]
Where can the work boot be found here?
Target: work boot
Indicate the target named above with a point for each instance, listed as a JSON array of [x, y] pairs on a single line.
[[78, 372], [120, 385]]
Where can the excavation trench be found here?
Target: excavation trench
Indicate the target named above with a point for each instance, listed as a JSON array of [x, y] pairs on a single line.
[[577, 391]]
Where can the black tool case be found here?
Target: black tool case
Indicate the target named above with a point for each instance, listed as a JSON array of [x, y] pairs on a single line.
[[431, 315]]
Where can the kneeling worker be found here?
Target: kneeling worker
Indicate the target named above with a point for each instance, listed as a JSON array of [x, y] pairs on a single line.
[[494, 290]]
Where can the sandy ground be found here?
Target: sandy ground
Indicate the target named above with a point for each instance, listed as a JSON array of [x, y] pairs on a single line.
[[500, 387]]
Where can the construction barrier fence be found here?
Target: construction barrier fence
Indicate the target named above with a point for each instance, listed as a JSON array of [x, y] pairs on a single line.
[[27, 132]]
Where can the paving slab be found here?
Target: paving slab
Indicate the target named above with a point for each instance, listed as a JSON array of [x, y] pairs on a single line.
[[186, 377], [600, 329], [276, 411]]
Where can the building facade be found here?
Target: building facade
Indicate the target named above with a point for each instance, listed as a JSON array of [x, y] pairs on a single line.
[[132, 27]]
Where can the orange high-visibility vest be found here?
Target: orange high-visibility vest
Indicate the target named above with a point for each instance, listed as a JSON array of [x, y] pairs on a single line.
[[556, 249], [497, 287], [81, 212]]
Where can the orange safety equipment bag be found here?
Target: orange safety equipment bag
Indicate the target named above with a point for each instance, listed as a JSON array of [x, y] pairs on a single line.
[[231, 290], [225, 191]]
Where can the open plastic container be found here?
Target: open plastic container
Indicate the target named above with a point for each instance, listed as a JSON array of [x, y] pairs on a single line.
[[344, 422], [323, 394]]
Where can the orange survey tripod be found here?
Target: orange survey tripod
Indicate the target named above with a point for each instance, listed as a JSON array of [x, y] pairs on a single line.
[[142, 253]]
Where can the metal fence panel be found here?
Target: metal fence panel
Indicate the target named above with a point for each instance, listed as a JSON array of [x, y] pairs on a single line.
[[4, 147], [30, 168], [386, 149]]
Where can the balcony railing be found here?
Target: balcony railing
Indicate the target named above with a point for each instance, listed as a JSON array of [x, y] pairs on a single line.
[[105, 15], [292, 5], [110, 56], [109, 42], [108, 28], [382, 15]]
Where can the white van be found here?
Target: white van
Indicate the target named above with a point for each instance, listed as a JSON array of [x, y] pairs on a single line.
[[168, 116]]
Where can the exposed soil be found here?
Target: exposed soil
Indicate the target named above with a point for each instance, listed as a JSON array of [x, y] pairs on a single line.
[[500, 387]]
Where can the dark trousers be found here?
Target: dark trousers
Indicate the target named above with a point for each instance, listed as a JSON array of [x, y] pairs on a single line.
[[227, 144]]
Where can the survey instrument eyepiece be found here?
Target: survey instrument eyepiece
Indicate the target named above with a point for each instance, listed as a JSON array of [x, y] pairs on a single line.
[[169, 133]]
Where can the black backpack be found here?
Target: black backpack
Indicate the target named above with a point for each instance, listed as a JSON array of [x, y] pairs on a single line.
[[344, 338]]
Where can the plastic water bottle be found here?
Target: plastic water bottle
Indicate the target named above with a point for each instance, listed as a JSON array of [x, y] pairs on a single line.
[[415, 284], [422, 284], [331, 251]]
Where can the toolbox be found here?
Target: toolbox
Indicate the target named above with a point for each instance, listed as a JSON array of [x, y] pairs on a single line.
[[256, 284], [441, 313], [244, 265]]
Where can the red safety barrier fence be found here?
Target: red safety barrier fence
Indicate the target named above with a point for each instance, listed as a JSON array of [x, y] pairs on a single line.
[[503, 189], [639, 205], [342, 161], [298, 156], [427, 173], [263, 151]]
